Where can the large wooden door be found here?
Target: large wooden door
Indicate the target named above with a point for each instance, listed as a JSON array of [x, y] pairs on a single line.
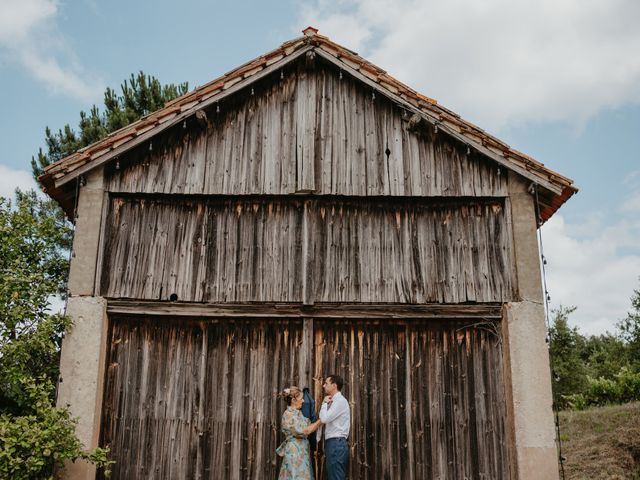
[[427, 397], [197, 399]]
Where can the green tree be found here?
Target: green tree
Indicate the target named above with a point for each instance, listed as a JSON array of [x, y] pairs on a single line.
[[630, 331], [605, 355], [140, 95], [33, 267], [34, 435], [566, 345]]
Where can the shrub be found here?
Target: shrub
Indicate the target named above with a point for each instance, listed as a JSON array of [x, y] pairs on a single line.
[[625, 387], [628, 385], [33, 445]]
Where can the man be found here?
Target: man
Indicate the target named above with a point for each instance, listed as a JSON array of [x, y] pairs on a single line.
[[335, 414]]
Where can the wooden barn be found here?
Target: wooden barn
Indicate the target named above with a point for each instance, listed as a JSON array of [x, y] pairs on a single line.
[[307, 213]]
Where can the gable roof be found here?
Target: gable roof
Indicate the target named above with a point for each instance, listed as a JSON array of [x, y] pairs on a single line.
[[556, 189]]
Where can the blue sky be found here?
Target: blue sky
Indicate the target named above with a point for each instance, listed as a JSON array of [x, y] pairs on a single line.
[[556, 79]]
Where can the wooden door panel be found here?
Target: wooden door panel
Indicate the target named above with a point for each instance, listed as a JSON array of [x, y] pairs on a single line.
[[197, 399], [427, 398]]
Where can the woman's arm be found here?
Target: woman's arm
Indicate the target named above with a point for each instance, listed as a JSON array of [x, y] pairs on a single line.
[[312, 428], [295, 425]]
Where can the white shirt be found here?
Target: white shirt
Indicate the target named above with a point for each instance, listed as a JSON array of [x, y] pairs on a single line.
[[336, 417]]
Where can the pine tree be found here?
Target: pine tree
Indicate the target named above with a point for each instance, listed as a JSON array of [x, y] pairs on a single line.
[[140, 95]]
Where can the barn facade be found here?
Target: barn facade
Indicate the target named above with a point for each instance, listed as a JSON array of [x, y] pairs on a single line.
[[304, 214]]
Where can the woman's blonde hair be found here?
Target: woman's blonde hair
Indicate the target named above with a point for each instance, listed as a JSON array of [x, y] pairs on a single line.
[[290, 393]]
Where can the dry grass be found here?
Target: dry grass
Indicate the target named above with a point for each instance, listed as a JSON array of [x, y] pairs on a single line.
[[602, 443]]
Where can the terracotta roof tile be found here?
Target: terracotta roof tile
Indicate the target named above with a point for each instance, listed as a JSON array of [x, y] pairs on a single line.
[[188, 105], [145, 128], [164, 119], [274, 58]]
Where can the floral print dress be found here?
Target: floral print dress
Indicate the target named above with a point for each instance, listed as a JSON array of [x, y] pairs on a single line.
[[296, 463]]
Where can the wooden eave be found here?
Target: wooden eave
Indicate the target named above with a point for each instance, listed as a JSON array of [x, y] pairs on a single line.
[[556, 189]]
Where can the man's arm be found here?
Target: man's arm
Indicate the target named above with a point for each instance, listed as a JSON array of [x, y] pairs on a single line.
[[329, 415]]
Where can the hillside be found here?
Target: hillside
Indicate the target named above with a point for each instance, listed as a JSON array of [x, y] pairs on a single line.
[[602, 443]]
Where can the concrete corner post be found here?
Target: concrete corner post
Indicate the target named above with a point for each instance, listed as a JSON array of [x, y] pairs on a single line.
[[83, 348], [527, 354]]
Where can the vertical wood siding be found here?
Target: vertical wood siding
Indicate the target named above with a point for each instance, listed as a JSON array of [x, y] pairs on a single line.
[[197, 399], [311, 131], [220, 252], [252, 250], [411, 253], [427, 399]]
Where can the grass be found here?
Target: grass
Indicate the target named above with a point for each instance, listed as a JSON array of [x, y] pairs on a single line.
[[602, 443]]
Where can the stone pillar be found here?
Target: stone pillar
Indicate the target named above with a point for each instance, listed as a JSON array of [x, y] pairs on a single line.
[[83, 348], [527, 354]]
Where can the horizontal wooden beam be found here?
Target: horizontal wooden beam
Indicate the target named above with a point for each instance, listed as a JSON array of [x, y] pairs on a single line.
[[319, 310]]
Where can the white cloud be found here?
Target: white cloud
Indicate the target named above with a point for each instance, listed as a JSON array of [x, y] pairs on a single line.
[[29, 37], [11, 179], [498, 61], [597, 273]]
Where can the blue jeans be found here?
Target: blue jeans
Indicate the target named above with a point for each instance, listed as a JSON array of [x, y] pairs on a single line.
[[336, 458]]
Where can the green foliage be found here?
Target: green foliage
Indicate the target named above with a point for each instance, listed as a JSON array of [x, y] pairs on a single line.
[[33, 444], [604, 355], [140, 95], [34, 435], [569, 370], [623, 388], [630, 331], [33, 267], [592, 370]]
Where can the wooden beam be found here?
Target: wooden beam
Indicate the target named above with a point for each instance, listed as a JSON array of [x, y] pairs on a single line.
[[101, 241], [295, 310], [306, 354]]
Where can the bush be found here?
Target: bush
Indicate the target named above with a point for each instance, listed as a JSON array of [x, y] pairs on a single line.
[[576, 401], [32, 446], [625, 387], [628, 385], [602, 391]]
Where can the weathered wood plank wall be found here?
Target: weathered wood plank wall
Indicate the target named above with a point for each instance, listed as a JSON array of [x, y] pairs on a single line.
[[250, 250], [309, 131], [195, 399], [427, 398]]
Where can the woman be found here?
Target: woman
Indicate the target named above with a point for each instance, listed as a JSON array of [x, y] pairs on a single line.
[[296, 463]]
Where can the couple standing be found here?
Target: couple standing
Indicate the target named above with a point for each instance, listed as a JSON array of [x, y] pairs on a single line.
[[335, 415]]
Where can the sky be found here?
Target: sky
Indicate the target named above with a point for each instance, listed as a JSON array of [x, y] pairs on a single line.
[[556, 79]]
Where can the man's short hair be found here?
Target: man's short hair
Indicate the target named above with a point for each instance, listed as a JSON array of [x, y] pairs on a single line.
[[337, 379]]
